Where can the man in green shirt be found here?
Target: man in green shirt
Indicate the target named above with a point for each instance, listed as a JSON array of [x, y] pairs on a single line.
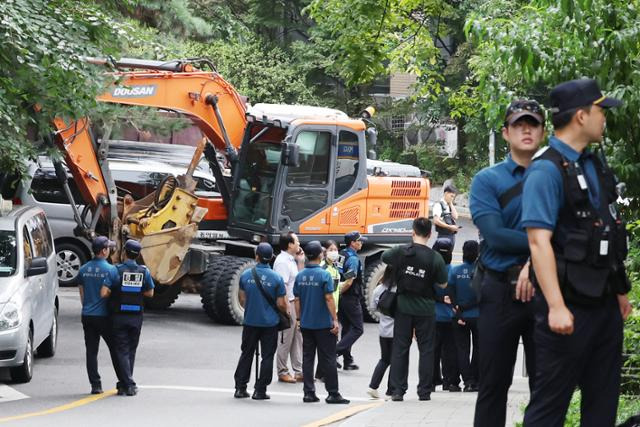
[[417, 269]]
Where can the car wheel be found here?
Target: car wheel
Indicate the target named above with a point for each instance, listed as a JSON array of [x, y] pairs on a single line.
[[48, 346], [69, 258], [24, 373]]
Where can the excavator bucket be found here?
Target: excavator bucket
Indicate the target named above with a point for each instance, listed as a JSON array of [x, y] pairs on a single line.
[[164, 251]]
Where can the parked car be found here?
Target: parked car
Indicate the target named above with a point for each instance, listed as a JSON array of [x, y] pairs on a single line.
[[136, 177], [28, 290]]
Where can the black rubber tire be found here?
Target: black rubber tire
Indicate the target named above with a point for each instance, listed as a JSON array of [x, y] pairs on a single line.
[[48, 347], [208, 282], [24, 372], [163, 296], [69, 258], [372, 276], [227, 304]]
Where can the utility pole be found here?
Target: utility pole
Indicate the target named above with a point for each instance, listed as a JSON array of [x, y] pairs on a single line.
[[492, 148]]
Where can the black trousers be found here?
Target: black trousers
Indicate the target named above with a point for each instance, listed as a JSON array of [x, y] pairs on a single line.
[[350, 317], [386, 347], [402, 336], [590, 358], [501, 324], [464, 335], [126, 335], [323, 342], [96, 327], [445, 352], [267, 337]]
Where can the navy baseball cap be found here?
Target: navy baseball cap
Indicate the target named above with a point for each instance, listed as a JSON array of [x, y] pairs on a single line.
[[132, 246], [353, 236], [579, 93], [523, 108], [102, 242], [313, 249], [264, 251]]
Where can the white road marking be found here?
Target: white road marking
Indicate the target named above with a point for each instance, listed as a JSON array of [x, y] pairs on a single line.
[[8, 394], [230, 391]]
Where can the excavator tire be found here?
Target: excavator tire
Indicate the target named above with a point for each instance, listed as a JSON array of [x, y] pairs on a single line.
[[210, 278], [372, 277], [163, 297], [227, 305]]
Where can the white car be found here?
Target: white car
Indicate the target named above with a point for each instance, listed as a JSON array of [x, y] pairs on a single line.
[[28, 290]]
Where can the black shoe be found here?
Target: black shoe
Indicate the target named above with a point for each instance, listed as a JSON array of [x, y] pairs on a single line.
[[454, 388], [132, 391], [337, 398], [397, 398], [338, 365], [121, 391], [96, 389], [260, 395], [310, 398], [241, 394], [351, 367], [470, 388], [426, 396]]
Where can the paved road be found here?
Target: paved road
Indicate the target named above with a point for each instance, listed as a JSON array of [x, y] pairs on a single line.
[[185, 369]]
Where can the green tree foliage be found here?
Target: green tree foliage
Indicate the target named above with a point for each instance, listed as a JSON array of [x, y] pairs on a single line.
[[526, 50], [40, 47]]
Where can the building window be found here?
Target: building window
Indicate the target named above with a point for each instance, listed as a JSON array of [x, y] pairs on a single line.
[[397, 122]]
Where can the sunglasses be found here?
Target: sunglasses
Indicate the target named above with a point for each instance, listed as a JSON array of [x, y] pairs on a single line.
[[532, 107]]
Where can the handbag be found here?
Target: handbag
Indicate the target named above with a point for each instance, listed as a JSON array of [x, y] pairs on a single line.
[[284, 321], [387, 302]]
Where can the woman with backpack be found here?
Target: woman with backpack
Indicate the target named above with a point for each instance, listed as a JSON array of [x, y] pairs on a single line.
[[385, 329]]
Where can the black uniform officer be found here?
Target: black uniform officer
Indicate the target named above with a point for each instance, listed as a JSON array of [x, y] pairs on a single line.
[[127, 301], [350, 312], [506, 315], [261, 294], [578, 245]]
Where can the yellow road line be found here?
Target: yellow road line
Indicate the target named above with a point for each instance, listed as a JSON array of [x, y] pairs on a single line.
[[61, 408], [339, 416]]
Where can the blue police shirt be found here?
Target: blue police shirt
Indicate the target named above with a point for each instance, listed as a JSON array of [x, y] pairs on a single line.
[[352, 263], [543, 193], [92, 276], [147, 283], [486, 188], [257, 310], [444, 312], [311, 286], [460, 284]]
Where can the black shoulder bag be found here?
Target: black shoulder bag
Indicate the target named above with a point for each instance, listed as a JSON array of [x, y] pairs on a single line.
[[284, 319]]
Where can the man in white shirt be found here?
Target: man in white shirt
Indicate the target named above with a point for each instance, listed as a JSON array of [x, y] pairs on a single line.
[[445, 215], [287, 264]]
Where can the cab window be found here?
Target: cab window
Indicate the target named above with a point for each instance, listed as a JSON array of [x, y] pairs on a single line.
[[314, 160], [346, 163]]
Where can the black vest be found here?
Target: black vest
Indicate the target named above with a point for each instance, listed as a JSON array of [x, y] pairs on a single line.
[[355, 290], [414, 274], [126, 296], [590, 244], [447, 218]]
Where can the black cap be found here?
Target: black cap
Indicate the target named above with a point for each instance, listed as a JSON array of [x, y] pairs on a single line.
[[523, 108], [264, 251], [449, 187], [102, 242], [579, 93], [132, 246], [313, 249], [353, 236]]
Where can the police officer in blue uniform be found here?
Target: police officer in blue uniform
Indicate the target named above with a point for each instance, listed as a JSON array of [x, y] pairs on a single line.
[[578, 247], [350, 313], [127, 301], [318, 322], [506, 315], [261, 293], [95, 314], [465, 323]]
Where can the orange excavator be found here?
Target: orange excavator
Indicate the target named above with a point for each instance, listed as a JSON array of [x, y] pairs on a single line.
[[297, 168]]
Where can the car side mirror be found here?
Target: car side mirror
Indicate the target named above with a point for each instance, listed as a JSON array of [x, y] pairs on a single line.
[[290, 154], [38, 266]]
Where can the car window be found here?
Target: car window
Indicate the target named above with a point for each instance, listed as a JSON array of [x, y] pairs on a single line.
[[138, 183], [45, 187], [7, 253], [39, 237], [203, 184], [26, 247]]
